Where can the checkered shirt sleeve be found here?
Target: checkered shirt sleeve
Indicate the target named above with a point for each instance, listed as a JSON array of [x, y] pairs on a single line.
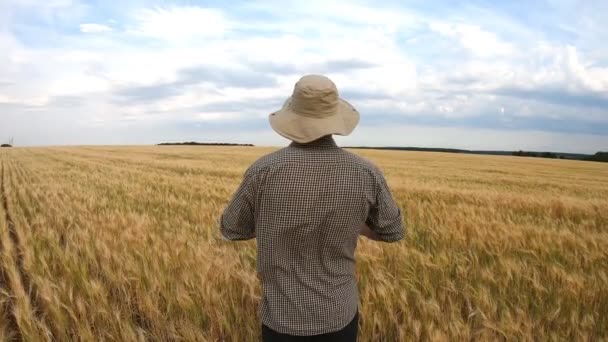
[[238, 220], [384, 216]]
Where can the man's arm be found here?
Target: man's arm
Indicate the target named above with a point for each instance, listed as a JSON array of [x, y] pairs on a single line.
[[384, 222], [238, 220]]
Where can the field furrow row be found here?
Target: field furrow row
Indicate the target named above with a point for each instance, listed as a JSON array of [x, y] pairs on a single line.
[[10, 326], [24, 310]]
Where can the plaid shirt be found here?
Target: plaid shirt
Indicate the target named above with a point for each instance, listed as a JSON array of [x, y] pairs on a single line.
[[305, 204]]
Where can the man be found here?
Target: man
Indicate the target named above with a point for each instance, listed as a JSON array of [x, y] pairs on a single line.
[[306, 205]]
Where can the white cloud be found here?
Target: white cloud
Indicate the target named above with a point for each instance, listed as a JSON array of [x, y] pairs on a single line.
[[480, 42], [180, 24], [592, 78], [94, 28], [445, 109], [219, 116], [335, 15]]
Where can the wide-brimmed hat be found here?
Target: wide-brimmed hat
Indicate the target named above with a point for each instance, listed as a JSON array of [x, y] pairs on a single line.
[[314, 110]]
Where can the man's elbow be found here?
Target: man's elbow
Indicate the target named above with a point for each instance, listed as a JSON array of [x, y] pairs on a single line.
[[387, 234], [392, 237], [397, 233], [227, 236], [233, 235]]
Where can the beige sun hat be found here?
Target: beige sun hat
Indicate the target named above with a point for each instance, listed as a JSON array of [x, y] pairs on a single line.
[[314, 110]]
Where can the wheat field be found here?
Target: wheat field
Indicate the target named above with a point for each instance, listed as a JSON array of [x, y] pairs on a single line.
[[122, 244]]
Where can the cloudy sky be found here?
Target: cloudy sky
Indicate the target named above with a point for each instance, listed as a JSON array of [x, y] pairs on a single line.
[[529, 75]]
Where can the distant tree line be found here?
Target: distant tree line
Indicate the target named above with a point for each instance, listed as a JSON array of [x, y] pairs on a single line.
[[551, 155], [194, 143], [599, 157]]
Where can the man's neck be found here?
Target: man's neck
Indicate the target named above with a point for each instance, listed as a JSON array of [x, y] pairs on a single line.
[[325, 141]]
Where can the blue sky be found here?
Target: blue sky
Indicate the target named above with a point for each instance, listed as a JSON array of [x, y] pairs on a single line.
[[529, 75]]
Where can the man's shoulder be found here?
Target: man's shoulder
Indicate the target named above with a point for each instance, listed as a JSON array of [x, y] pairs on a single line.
[[361, 162], [268, 160], [288, 155]]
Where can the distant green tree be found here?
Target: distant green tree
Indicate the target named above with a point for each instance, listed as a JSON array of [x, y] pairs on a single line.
[[599, 157], [548, 155], [521, 153]]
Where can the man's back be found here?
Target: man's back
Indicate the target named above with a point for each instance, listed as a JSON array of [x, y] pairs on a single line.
[[305, 204]]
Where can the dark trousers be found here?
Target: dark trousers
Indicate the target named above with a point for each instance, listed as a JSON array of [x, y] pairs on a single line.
[[347, 334]]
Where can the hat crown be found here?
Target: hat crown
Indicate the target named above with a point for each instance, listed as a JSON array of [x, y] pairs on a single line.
[[314, 109], [315, 96]]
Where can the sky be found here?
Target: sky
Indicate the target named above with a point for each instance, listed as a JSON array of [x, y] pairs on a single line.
[[486, 75]]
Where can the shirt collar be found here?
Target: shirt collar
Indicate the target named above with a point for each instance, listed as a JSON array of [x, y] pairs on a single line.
[[323, 142]]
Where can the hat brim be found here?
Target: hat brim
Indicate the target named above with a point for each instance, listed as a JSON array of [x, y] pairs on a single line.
[[304, 129]]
